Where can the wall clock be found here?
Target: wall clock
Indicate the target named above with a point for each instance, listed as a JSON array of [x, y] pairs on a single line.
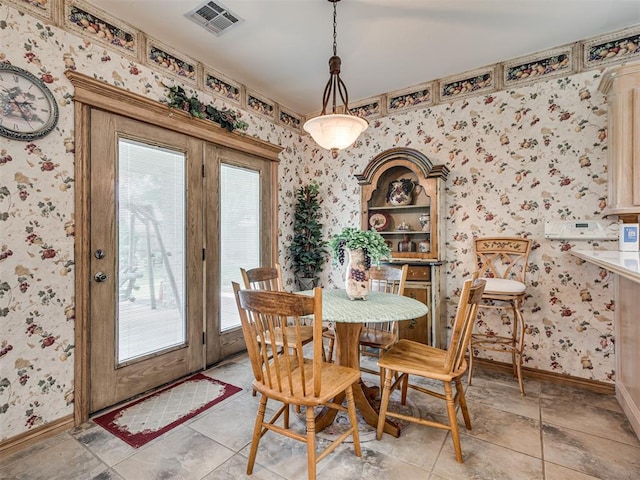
[[28, 109]]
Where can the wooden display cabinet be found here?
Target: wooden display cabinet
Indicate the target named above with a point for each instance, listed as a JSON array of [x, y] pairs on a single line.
[[420, 245]]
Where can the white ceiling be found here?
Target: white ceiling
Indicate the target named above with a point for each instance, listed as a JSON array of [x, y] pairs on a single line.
[[282, 49]]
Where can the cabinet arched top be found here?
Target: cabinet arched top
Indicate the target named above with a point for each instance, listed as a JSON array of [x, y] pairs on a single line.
[[409, 156]]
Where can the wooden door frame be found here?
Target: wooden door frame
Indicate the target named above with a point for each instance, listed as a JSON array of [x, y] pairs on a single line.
[[90, 93]]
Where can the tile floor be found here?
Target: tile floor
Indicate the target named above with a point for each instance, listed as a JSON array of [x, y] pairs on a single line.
[[554, 433]]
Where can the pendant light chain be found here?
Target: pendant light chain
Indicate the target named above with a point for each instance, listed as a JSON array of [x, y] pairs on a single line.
[[335, 27]]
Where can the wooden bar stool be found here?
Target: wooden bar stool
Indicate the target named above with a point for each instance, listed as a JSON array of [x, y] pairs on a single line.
[[502, 262]]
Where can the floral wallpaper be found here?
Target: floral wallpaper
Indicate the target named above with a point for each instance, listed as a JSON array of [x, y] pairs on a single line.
[[517, 158], [37, 217]]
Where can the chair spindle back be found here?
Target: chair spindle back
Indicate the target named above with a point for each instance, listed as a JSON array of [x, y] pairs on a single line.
[[263, 278], [470, 298], [277, 360]]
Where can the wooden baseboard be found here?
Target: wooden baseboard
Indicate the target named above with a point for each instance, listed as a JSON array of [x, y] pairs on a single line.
[[23, 440], [552, 377]]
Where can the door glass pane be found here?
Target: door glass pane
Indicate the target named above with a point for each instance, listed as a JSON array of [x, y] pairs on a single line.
[[239, 234], [151, 247]]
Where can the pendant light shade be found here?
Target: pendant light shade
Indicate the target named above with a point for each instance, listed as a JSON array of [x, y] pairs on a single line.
[[335, 131]]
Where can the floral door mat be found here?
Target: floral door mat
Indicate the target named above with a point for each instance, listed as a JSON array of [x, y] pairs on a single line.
[[149, 417]]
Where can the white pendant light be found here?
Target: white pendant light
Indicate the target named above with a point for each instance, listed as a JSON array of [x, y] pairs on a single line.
[[335, 131]]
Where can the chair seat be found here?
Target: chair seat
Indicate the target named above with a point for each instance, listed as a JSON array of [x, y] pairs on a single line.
[[419, 359], [335, 379], [503, 286], [371, 337]]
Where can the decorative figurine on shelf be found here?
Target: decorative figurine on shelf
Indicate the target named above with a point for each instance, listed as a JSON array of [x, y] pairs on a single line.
[[424, 246], [425, 222], [404, 227], [401, 191], [406, 245]]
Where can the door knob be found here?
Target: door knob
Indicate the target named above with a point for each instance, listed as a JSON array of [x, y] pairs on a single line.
[[99, 254], [100, 277]]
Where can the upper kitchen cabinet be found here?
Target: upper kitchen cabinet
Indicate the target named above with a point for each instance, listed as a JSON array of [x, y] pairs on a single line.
[[621, 85]]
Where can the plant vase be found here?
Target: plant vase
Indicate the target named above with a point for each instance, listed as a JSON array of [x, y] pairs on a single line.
[[307, 283], [357, 276]]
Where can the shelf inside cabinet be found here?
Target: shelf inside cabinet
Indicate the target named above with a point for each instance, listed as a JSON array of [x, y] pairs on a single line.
[[401, 207], [405, 232]]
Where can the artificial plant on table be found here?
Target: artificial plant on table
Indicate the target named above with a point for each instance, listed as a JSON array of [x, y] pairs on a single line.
[[364, 248]]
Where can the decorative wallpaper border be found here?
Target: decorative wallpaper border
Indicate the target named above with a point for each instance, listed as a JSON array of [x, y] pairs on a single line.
[[170, 61], [368, 108], [605, 50], [45, 9], [544, 65], [617, 47], [418, 96], [98, 26], [256, 103], [223, 87], [475, 82], [288, 118]]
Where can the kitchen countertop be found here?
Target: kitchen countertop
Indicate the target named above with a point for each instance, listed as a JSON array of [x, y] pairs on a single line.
[[626, 264]]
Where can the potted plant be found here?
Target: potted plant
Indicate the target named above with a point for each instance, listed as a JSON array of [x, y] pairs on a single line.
[[363, 248], [308, 249]]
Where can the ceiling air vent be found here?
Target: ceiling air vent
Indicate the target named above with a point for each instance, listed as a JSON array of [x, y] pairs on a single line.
[[214, 16]]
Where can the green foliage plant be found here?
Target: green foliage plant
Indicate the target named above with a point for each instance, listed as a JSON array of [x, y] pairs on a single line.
[[227, 119], [375, 249], [308, 249]]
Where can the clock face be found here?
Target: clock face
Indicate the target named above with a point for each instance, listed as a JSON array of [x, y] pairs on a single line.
[[28, 110]]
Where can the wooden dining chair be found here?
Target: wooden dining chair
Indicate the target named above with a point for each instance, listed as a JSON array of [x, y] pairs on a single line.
[[270, 278], [377, 337], [502, 262], [407, 358], [286, 376]]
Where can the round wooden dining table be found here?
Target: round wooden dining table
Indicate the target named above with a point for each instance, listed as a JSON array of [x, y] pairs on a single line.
[[348, 317]]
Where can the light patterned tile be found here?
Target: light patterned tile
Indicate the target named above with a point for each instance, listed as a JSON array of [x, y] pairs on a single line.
[[413, 438], [484, 460], [371, 465], [64, 458], [557, 472], [108, 475], [232, 424], [596, 456], [579, 396], [180, 454], [236, 372], [592, 420], [519, 433], [486, 377], [503, 397], [109, 448], [288, 457], [236, 468]]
